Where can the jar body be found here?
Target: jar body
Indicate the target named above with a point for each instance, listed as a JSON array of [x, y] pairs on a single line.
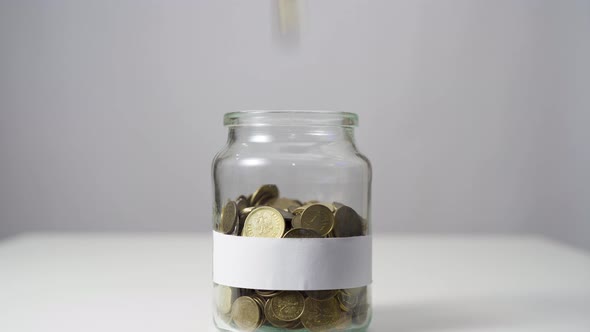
[[292, 187]]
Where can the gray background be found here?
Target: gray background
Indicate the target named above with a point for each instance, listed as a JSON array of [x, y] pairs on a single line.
[[474, 113]]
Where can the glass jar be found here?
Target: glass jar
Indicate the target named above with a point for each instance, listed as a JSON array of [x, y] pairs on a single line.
[[291, 224]]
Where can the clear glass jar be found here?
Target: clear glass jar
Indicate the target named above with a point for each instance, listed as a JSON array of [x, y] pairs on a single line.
[[291, 221]]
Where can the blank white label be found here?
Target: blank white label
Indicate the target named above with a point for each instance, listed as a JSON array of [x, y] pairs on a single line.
[[291, 264]]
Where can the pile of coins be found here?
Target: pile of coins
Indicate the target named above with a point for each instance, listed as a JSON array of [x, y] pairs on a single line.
[[265, 214], [329, 310]]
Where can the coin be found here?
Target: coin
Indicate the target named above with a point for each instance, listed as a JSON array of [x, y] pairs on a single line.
[[301, 233], [245, 313], [241, 222], [272, 318], [228, 217], [320, 315], [347, 301], [298, 210], [288, 306], [347, 222], [245, 292], [319, 218], [259, 300], [283, 203], [264, 221], [266, 192], [267, 293], [296, 221], [223, 299], [310, 203], [329, 206], [246, 211], [292, 208], [322, 295], [242, 203], [286, 214]]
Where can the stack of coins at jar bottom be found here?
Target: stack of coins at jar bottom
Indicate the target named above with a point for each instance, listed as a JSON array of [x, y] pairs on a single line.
[[265, 214]]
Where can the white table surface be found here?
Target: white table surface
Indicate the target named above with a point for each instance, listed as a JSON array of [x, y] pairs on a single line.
[[161, 282]]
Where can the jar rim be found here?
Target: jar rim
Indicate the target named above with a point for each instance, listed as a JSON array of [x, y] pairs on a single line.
[[290, 118]]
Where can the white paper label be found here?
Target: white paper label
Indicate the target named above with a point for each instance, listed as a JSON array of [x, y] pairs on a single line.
[[292, 264]]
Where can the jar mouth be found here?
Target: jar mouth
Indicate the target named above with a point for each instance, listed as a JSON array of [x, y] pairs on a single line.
[[290, 118]]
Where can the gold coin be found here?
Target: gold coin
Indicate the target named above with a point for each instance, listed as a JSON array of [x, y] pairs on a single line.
[[242, 202], [246, 211], [296, 221], [328, 205], [322, 295], [301, 233], [288, 306], [320, 315], [300, 209], [265, 193], [223, 298], [264, 221], [245, 313], [282, 203], [259, 300], [228, 217], [267, 293], [347, 301], [319, 218], [272, 318], [292, 208]]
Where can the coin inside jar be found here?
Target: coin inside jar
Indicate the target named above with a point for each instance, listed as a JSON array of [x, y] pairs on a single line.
[[267, 293], [272, 318], [319, 218], [245, 313], [264, 221], [223, 298], [347, 222], [283, 203], [301, 233], [347, 301], [242, 203], [229, 216], [264, 194], [320, 315], [287, 306]]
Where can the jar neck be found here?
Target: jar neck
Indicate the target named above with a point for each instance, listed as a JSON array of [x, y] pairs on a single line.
[[294, 134]]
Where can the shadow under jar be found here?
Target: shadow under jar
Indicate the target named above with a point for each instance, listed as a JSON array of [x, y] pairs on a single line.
[[291, 224]]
